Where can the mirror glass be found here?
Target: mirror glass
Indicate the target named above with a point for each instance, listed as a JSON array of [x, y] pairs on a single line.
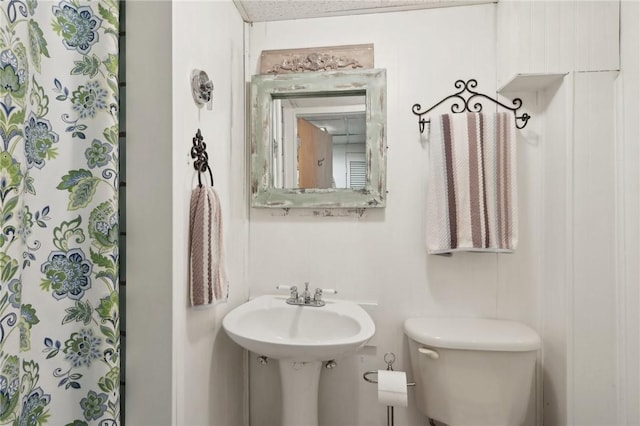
[[319, 142], [318, 139]]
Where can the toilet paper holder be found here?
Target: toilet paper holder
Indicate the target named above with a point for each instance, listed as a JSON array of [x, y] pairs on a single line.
[[389, 358]]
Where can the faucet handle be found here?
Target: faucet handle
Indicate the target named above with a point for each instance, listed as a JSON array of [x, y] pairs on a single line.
[[285, 287], [317, 297], [292, 288]]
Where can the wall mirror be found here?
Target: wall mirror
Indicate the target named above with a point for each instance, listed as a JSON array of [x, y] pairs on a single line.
[[318, 139]]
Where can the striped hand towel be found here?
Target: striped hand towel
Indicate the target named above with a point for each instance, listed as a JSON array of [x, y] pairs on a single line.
[[208, 277], [471, 193]]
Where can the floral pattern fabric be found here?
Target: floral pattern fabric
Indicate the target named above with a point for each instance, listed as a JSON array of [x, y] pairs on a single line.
[[59, 319]]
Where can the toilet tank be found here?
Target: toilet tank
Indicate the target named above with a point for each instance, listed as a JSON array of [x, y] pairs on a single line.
[[472, 371]]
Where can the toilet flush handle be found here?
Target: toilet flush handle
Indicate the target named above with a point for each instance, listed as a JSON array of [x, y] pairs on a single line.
[[428, 352]]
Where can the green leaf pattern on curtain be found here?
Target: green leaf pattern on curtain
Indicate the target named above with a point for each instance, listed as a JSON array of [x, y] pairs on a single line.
[[59, 319]]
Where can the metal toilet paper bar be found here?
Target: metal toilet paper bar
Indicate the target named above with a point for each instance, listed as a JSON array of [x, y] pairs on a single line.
[[389, 358]]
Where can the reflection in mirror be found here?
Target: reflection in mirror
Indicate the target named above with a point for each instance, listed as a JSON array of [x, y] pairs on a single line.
[[318, 139], [319, 142]]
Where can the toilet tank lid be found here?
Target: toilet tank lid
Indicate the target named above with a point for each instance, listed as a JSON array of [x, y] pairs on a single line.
[[472, 334]]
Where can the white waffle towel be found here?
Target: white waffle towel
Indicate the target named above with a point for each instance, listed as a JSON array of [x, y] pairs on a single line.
[[471, 193], [208, 277]]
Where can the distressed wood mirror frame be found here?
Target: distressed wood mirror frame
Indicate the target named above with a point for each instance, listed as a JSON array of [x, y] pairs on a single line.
[[372, 84]]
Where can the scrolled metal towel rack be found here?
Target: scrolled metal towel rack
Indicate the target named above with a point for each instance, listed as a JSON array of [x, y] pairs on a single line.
[[469, 102]]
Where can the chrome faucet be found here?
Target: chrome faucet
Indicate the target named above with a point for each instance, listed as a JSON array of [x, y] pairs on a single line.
[[305, 299], [306, 296]]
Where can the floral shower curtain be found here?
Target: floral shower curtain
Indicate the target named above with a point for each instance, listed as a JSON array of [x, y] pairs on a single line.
[[59, 320]]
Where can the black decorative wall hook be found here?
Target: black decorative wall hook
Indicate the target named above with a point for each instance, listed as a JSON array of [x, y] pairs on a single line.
[[462, 104], [199, 152]]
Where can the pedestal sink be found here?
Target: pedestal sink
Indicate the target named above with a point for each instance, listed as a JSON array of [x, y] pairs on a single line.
[[300, 338]]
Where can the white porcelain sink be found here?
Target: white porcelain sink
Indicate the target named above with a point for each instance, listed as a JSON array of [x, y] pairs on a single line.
[[268, 326], [300, 338]]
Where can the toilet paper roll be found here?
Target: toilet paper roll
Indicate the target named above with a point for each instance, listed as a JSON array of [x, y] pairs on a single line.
[[392, 388]]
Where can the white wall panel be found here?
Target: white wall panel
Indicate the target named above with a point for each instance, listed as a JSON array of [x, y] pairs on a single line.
[[594, 363], [181, 368], [629, 204], [519, 273], [209, 366], [556, 48], [556, 115], [506, 40], [149, 391], [589, 287], [557, 36], [583, 312], [597, 35]]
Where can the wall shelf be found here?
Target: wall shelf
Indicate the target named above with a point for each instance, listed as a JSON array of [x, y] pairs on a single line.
[[530, 82]]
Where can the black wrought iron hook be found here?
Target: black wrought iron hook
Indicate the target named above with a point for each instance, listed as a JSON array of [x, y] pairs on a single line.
[[199, 152], [462, 104]]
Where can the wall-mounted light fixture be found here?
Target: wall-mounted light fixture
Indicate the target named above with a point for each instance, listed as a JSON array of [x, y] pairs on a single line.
[[201, 87]]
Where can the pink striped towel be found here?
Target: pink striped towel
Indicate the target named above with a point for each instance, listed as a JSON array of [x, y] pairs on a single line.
[[471, 193], [207, 273]]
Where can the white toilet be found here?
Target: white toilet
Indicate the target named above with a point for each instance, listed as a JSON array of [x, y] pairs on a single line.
[[472, 371]]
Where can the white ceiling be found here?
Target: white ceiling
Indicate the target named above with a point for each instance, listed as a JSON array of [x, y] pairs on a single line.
[[345, 128], [278, 10]]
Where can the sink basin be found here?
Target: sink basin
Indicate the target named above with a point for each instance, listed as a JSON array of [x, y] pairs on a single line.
[[268, 326]]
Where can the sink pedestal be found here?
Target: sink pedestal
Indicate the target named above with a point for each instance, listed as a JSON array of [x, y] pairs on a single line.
[[300, 382]]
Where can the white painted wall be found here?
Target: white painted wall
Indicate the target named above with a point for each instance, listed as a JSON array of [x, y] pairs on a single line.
[[589, 295], [150, 392], [181, 368], [586, 315], [210, 368], [550, 36], [555, 114], [381, 256], [578, 289], [592, 316], [628, 203]]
